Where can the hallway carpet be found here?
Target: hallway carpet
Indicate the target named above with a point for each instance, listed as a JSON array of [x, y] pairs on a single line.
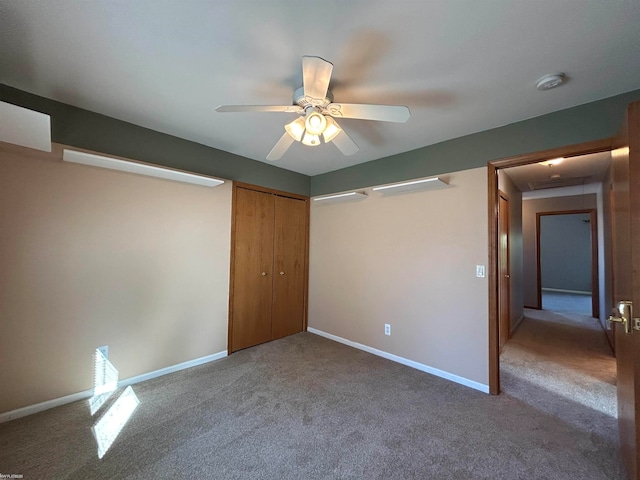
[[562, 364], [566, 302], [305, 407]]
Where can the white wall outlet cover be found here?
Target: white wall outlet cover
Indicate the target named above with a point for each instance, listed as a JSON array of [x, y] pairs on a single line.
[[387, 329]]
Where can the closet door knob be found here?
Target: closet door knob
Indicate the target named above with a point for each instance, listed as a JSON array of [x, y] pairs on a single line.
[[281, 273], [264, 274]]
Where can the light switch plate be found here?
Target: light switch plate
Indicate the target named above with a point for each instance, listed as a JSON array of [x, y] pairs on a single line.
[[480, 271]]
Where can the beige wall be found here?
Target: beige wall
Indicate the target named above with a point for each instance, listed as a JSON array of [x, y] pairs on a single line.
[[91, 257], [529, 210], [407, 260], [506, 185]]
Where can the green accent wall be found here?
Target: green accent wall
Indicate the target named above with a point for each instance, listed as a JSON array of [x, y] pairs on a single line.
[[81, 128], [84, 129], [591, 121]]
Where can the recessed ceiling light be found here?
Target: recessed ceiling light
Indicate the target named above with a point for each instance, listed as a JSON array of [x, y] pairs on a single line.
[[550, 81], [552, 162]]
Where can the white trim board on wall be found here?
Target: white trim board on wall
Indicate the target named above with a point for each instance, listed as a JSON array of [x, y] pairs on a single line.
[[56, 402], [90, 159], [404, 361]]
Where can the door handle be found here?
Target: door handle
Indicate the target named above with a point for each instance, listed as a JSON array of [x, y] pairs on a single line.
[[623, 315], [264, 274], [281, 273]]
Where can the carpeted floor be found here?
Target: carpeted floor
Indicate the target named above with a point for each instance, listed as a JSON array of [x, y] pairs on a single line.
[[566, 302], [562, 364], [305, 407]]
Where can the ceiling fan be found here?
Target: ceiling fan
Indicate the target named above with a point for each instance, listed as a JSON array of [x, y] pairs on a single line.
[[314, 103]]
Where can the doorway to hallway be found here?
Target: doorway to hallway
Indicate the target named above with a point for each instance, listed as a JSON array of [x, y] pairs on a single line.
[[567, 261]]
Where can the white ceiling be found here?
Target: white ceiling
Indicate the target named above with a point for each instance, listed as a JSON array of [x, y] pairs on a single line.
[[579, 170], [461, 66]]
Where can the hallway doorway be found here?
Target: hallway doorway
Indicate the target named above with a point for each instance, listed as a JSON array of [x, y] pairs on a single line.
[[567, 261], [556, 357]]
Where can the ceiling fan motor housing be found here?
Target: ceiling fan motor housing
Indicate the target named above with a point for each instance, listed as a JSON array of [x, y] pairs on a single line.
[[299, 98]]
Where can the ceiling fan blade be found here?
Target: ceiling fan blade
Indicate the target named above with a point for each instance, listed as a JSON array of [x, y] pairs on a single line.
[[316, 74], [345, 144], [260, 108], [281, 147], [383, 113]]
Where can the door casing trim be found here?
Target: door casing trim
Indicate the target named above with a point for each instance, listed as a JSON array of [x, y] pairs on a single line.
[[585, 148]]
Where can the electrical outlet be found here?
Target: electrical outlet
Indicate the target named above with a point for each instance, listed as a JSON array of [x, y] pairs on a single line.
[[104, 350], [387, 329], [480, 271]]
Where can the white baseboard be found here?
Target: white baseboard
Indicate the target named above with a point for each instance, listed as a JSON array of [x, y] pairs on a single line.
[[515, 327], [561, 290], [56, 402], [171, 369], [40, 407], [404, 361]]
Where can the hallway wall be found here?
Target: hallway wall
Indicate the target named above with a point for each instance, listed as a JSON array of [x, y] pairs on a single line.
[[516, 272], [530, 207], [565, 252]]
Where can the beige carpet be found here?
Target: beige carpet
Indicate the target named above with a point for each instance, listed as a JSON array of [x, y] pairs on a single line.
[[305, 407], [561, 364]]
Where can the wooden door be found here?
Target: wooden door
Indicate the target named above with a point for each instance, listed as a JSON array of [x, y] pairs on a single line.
[[289, 267], [504, 277], [253, 269], [626, 276]]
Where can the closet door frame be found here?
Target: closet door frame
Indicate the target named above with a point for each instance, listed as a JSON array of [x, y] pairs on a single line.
[[247, 186]]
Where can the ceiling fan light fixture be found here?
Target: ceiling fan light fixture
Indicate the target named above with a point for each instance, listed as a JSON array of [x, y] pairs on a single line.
[[315, 123], [296, 129], [331, 130], [310, 139], [313, 101]]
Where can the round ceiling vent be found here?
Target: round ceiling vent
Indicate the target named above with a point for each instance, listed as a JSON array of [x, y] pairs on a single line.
[[550, 81]]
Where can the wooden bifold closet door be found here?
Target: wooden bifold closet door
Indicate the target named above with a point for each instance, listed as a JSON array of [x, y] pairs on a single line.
[[269, 267]]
